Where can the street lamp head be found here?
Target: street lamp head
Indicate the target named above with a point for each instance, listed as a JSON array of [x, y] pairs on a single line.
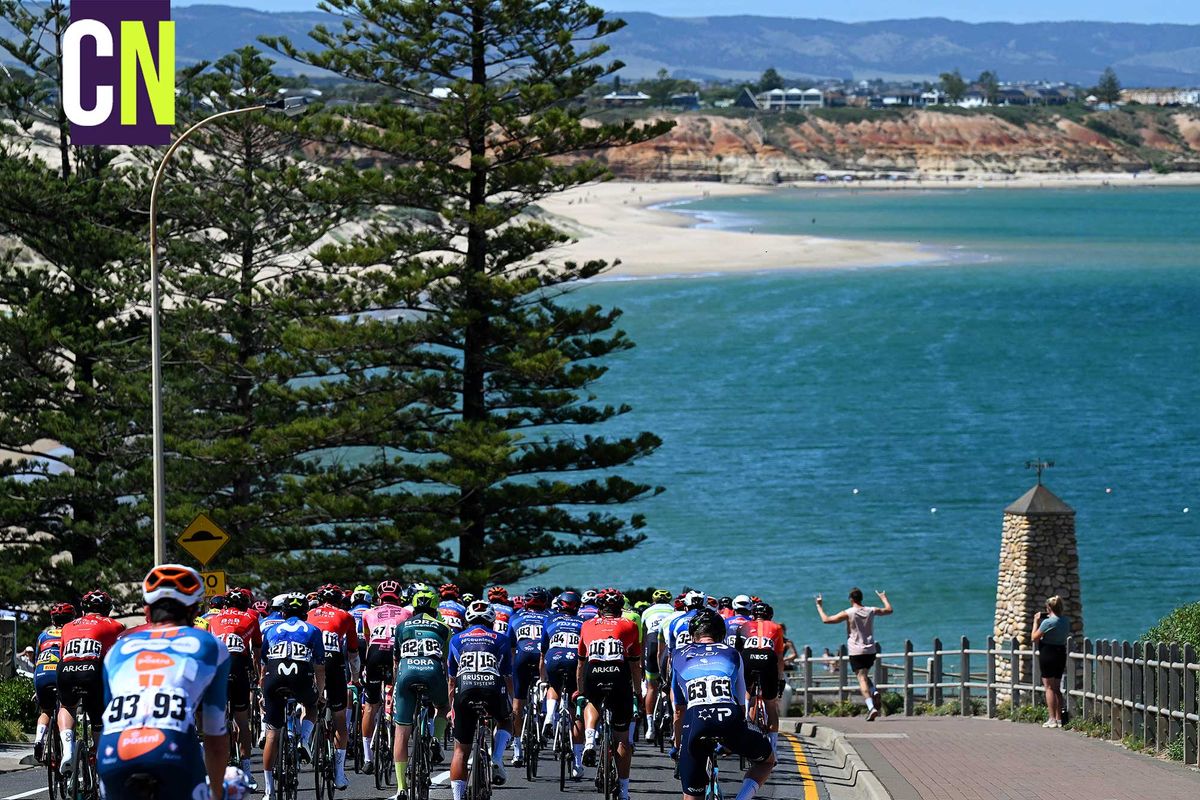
[[290, 106]]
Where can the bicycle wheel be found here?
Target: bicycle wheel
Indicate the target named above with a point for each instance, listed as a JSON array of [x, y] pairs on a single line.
[[714, 778], [53, 756], [82, 783], [290, 754], [354, 748], [562, 746], [378, 742], [418, 759]]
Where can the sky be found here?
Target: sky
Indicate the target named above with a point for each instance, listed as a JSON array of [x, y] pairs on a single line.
[[1177, 11]]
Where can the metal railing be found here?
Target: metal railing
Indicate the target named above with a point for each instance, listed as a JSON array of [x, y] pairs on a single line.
[[1144, 692]]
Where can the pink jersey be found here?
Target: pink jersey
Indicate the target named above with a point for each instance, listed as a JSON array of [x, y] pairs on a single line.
[[379, 624]]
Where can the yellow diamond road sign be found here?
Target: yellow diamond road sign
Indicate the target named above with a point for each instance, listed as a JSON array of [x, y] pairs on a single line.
[[203, 539]]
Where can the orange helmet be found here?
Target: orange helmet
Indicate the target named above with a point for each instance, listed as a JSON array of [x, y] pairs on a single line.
[[173, 582], [497, 594]]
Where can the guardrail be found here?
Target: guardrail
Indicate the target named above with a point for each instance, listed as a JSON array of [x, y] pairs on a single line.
[[1144, 691]]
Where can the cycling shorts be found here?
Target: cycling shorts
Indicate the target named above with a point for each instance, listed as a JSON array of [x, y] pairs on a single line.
[[725, 723], [239, 682], [379, 672], [47, 695], [176, 762], [335, 681], [466, 717], [650, 658], [82, 682], [286, 679], [762, 669], [562, 672], [610, 684], [525, 672], [413, 672]]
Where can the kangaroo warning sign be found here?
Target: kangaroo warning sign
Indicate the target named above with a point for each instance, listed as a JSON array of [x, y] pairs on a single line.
[[203, 539]]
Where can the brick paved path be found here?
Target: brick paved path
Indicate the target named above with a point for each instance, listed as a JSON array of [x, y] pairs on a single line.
[[948, 758]]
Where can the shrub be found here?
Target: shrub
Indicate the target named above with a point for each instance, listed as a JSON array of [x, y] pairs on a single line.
[[1037, 714], [11, 733], [893, 703], [17, 703], [1181, 626], [1175, 748], [1092, 727]]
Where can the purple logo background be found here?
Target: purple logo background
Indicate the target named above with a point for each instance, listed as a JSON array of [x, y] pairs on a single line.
[[96, 71]]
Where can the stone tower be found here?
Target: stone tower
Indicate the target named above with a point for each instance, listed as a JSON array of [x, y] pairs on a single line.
[[1038, 558]]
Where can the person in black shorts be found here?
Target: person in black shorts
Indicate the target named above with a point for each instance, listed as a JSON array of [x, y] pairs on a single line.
[[480, 674]]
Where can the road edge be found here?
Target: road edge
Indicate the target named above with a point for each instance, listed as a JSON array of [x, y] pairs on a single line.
[[835, 740]]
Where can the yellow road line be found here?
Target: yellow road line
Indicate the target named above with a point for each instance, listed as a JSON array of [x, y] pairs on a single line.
[[810, 783]]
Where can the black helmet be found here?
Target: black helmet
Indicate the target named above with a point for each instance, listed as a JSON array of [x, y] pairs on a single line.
[[707, 622], [725, 602], [295, 605], [537, 598], [761, 610]]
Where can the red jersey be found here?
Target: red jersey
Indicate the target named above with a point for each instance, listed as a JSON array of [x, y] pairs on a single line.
[[762, 634], [726, 613], [89, 637], [237, 629], [338, 629], [610, 639]]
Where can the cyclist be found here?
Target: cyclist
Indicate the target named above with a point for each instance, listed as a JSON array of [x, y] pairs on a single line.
[[762, 653], [675, 635], [85, 642], [735, 624], [293, 655], [340, 635], [410, 591], [725, 607], [587, 605], [466, 599], [560, 654], [451, 610], [379, 627], [275, 616], [45, 671], [525, 636], [161, 677], [261, 608], [709, 687], [610, 671], [498, 597], [360, 600], [420, 647], [480, 672], [652, 620], [237, 628]]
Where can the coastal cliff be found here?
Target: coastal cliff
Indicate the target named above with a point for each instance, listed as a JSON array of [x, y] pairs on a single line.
[[768, 149]]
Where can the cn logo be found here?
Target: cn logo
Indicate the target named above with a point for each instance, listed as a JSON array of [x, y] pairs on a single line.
[[118, 72]]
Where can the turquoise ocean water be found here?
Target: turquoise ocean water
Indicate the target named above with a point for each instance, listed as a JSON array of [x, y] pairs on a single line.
[[1058, 324]]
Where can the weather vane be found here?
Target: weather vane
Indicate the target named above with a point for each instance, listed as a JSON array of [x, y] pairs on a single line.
[[1040, 466]]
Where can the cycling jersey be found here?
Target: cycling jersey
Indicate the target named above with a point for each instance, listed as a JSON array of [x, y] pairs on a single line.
[[340, 637], [560, 649], [157, 678], [726, 613], [503, 615], [292, 649], [454, 614], [635, 618], [762, 649], [357, 612], [270, 621], [707, 681], [85, 641], [237, 630], [480, 660], [525, 634], [588, 612], [379, 628], [734, 627], [420, 646], [609, 645], [45, 668], [677, 636], [652, 620]]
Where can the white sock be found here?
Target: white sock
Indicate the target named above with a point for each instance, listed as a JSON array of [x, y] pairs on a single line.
[[306, 732], [67, 738], [589, 739], [460, 789], [516, 742], [269, 782], [551, 709], [502, 739], [748, 790], [339, 762], [870, 703], [578, 750], [41, 733], [774, 737], [367, 749]]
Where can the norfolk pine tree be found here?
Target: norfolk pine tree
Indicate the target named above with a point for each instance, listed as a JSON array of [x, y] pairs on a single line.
[[74, 364], [508, 456], [282, 401]]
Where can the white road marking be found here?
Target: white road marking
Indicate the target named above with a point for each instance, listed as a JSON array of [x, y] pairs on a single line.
[[30, 793], [441, 779]]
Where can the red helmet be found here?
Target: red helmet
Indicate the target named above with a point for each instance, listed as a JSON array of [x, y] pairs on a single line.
[[518, 602], [239, 598], [497, 594], [386, 590], [678, 603], [261, 606], [448, 591], [62, 613], [97, 601], [330, 593], [610, 601]]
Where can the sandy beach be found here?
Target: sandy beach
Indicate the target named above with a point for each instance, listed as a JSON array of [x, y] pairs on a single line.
[[616, 221]]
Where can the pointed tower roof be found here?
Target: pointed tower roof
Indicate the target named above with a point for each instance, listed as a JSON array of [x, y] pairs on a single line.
[[1038, 500]]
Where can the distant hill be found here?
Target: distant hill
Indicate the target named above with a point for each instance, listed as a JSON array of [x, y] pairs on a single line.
[[742, 46]]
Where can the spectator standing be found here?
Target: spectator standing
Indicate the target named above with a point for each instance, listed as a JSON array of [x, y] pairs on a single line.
[[791, 656], [1051, 631], [25, 660], [860, 641]]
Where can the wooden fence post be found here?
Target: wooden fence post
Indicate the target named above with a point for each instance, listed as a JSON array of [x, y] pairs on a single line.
[[1153, 695], [909, 706], [843, 661], [1113, 690], [964, 677], [1191, 753], [1126, 687], [935, 673], [1014, 669], [808, 680], [1171, 727], [1035, 677], [991, 677], [880, 677], [1085, 703], [1143, 691]]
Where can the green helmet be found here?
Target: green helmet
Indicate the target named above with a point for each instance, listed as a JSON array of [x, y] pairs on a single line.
[[424, 598]]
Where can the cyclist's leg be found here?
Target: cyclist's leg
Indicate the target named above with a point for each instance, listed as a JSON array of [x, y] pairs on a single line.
[[46, 693], [594, 691], [70, 688], [239, 704], [754, 746], [174, 759], [693, 754], [304, 684], [525, 672], [500, 707], [404, 712], [274, 705], [465, 721], [373, 692], [336, 699], [620, 701]]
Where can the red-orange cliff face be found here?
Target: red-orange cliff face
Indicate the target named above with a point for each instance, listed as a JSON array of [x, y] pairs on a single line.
[[766, 149]]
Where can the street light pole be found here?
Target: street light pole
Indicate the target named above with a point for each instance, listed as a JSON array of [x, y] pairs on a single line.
[[291, 106]]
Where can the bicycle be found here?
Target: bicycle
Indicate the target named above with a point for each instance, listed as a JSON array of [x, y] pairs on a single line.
[[662, 720], [420, 763], [563, 736], [713, 790], [83, 783], [607, 782], [52, 756], [479, 775], [324, 771], [287, 754], [354, 749], [381, 742], [531, 730], [758, 716]]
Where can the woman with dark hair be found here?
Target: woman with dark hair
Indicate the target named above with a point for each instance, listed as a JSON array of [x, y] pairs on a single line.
[[1051, 632]]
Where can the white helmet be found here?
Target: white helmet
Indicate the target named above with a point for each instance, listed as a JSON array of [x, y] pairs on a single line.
[[480, 612], [589, 597], [742, 602], [173, 582], [695, 599]]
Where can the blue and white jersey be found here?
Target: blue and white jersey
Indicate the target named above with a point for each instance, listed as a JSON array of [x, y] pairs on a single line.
[[293, 640], [677, 635], [733, 629], [525, 631], [560, 637], [588, 612], [269, 621], [454, 614], [707, 675], [357, 612], [503, 617], [155, 679], [480, 658]]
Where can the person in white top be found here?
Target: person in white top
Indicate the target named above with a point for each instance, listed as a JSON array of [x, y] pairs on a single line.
[[860, 641]]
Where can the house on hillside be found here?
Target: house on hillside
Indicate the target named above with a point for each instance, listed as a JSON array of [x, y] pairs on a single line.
[[626, 99], [794, 99], [932, 97], [896, 98], [973, 99], [1162, 97], [835, 98], [747, 99], [685, 102]]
